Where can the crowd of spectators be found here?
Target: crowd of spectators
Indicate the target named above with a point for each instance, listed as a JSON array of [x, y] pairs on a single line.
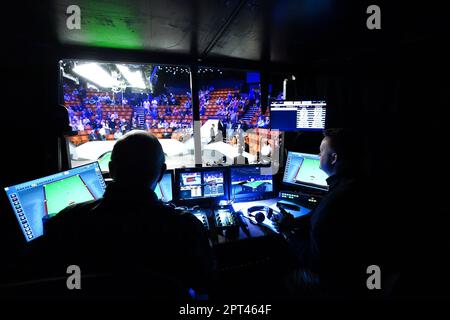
[[87, 112], [166, 111], [235, 107]]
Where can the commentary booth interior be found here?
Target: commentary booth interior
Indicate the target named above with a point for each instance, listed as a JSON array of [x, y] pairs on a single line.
[[238, 94]]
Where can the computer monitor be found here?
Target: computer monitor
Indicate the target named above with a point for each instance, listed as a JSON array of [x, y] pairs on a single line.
[[298, 115], [104, 160], [201, 184], [163, 188], [303, 169], [47, 196], [250, 183]]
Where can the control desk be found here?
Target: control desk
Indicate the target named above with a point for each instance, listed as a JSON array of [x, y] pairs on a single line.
[[235, 204]]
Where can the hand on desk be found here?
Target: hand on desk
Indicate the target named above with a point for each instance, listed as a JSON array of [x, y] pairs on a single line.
[[283, 221]]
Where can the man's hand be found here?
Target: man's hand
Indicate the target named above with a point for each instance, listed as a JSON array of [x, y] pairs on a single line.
[[283, 221]]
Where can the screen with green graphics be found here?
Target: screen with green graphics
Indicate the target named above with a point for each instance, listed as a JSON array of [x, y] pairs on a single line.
[[310, 172], [33, 200], [303, 169], [63, 193], [104, 160]]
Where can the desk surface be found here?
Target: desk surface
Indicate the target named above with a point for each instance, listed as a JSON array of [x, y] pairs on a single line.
[[271, 203], [258, 249], [266, 227]]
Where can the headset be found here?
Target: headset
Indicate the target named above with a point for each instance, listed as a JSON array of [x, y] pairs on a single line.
[[259, 213]]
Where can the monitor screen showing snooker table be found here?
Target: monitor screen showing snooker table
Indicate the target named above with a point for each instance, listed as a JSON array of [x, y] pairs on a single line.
[[250, 183], [104, 160], [44, 197]]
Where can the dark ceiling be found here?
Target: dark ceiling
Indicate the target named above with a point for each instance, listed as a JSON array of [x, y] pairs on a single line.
[[290, 32], [283, 31]]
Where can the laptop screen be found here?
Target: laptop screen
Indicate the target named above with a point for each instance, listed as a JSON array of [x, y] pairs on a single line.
[[303, 169], [47, 196]]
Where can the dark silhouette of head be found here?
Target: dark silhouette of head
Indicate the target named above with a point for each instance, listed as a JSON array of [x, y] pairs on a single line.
[[137, 160], [340, 150]]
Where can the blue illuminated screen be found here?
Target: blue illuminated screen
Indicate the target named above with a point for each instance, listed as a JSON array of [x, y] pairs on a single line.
[[298, 115], [201, 184], [33, 200], [163, 188], [303, 169], [249, 181]]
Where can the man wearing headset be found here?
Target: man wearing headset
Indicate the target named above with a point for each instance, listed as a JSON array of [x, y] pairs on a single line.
[[330, 243]]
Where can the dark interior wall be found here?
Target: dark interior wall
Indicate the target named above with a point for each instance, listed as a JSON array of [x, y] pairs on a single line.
[[398, 101], [29, 97], [396, 98], [29, 83]]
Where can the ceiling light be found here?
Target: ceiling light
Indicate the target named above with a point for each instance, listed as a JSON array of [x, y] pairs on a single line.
[[134, 78], [96, 74]]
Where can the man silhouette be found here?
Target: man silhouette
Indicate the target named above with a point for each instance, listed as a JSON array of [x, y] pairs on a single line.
[[129, 233], [328, 241]]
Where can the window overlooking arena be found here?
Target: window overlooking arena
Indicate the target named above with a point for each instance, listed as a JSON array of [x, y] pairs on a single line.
[[106, 100], [234, 123]]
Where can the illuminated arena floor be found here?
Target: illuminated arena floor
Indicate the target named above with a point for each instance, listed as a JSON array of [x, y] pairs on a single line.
[[178, 154]]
